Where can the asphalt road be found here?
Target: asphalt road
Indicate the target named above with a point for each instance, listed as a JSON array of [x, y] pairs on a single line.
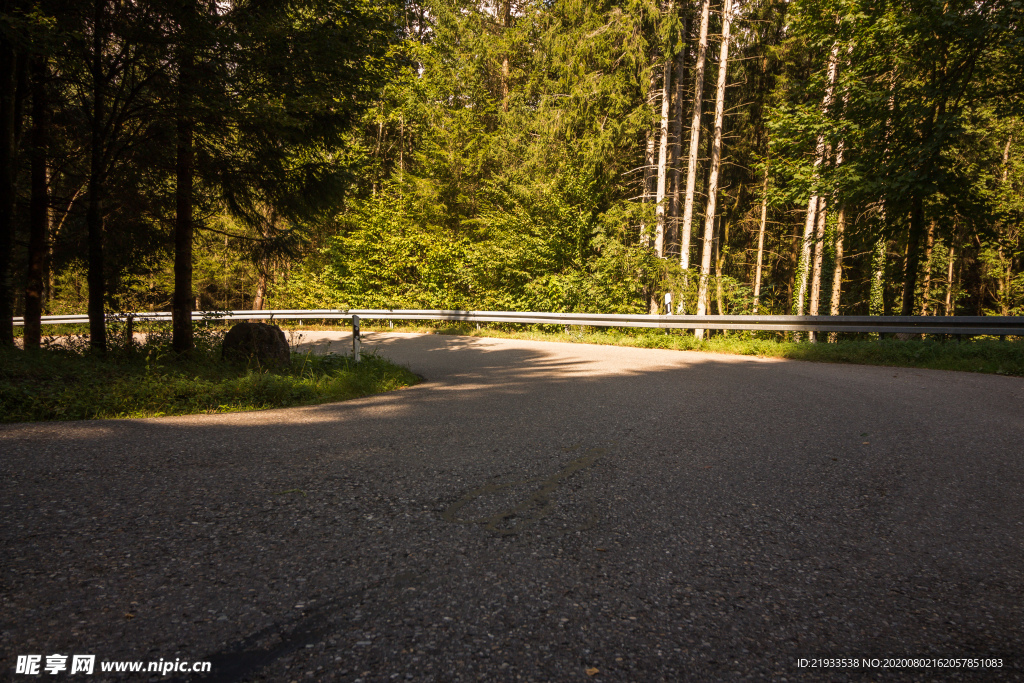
[[533, 511]]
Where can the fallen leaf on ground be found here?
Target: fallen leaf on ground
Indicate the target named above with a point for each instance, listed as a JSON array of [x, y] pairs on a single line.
[[593, 671]]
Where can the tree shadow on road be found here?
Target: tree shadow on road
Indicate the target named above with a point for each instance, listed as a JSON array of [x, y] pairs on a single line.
[[721, 499]]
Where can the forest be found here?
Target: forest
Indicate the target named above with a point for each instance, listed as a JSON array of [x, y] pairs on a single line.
[[809, 157]]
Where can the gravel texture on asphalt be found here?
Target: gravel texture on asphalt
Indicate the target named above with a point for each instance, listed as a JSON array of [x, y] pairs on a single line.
[[534, 511]]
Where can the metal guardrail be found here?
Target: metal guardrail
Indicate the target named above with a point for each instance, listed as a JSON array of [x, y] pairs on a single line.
[[956, 325]]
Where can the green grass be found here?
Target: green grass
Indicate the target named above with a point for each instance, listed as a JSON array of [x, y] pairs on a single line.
[[986, 355], [67, 382]]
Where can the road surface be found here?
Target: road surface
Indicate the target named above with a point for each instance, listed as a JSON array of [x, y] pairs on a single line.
[[535, 511]]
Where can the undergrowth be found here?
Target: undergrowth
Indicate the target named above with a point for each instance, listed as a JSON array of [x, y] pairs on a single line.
[[978, 355], [66, 381]]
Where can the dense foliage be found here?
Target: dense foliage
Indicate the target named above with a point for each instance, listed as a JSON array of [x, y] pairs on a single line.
[[506, 154]]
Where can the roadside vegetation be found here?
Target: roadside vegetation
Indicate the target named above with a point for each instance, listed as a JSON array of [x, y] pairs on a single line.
[[980, 354], [66, 381]]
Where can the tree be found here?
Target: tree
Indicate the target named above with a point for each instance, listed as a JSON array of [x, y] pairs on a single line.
[[716, 158], [691, 169]]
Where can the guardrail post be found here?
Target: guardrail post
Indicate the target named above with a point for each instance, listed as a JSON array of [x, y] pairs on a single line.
[[355, 338]]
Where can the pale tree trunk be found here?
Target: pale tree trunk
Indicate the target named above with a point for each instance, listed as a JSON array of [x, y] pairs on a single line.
[[819, 246], [666, 99], [927, 286], [654, 305], [760, 241], [837, 271], [949, 281], [840, 229], [840, 232], [691, 169], [805, 251], [819, 256], [814, 204], [716, 158], [1006, 158]]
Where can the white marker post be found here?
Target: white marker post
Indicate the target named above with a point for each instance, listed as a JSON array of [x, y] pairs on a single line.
[[668, 303], [355, 338]]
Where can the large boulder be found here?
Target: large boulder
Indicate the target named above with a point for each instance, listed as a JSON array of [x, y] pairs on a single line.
[[259, 342]]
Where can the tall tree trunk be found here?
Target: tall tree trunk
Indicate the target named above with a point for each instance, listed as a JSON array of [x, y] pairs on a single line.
[[93, 211], [913, 258], [821, 213], [794, 261], [928, 268], [677, 137], [649, 168], [819, 256], [716, 158], [840, 229], [760, 241], [839, 234], [949, 280], [837, 270], [649, 165], [181, 309], [721, 246], [814, 204], [666, 99], [39, 208], [261, 291], [691, 169], [8, 152]]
